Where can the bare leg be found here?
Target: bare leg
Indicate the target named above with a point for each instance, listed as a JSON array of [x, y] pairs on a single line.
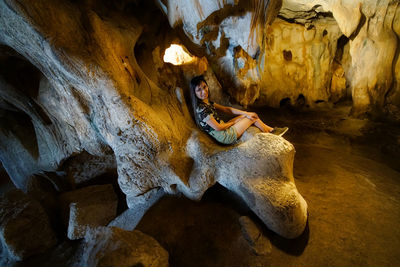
[[262, 126], [242, 126], [238, 118]]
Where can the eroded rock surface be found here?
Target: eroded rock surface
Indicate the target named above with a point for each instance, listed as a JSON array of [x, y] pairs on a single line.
[[306, 62], [111, 246], [260, 170], [93, 97], [84, 167], [24, 226], [137, 208]]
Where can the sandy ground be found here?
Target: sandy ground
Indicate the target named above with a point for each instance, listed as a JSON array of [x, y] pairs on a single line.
[[347, 170]]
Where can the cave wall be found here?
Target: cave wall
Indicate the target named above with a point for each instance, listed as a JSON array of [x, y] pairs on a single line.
[[94, 94], [313, 52], [298, 64]]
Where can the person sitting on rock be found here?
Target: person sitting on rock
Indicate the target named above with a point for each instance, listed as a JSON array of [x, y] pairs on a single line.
[[206, 116]]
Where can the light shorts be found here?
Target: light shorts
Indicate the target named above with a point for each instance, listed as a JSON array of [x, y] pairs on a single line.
[[227, 137]]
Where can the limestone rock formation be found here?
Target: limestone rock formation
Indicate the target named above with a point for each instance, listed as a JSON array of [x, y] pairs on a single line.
[[130, 218], [373, 51], [24, 226], [298, 63], [87, 208], [111, 246], [259, 170], [90, 96], [84, 167], [335, 50]]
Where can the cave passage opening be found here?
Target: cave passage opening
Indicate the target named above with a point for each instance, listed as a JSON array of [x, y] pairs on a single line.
[[177, 55]]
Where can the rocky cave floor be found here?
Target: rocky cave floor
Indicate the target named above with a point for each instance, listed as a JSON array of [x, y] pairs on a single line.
[[347, 170]]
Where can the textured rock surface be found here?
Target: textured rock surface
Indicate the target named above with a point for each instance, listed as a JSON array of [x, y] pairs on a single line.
[[111, 246], [93, 97], [373, 51], [24, 226], [96, 96], [298, 63], [138, 207], [259, 170], [373, 48], [304, 61], [84, 167], [88, 207]]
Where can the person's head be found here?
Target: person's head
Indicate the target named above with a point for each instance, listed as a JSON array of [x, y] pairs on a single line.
[[198, 92], [199, 87]]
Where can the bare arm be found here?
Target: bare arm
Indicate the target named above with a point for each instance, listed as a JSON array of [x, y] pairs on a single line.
[[220, 126], [234, 111]]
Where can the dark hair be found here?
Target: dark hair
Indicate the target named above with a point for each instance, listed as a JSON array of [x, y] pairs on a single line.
[[193, 84]]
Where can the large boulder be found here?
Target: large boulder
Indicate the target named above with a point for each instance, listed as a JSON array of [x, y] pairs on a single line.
[[260, 170], [111, 246], [24, 227]]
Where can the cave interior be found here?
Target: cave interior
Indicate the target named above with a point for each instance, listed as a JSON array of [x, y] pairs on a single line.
[[102, 163]]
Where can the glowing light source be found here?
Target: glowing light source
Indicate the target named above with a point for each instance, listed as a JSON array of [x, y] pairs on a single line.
[[176, 55]]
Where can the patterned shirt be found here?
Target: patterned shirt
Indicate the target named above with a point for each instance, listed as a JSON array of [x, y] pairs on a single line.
[[204, 111]]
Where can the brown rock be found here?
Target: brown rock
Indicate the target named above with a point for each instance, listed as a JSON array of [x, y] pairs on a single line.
[[111, 246], [24, 226]]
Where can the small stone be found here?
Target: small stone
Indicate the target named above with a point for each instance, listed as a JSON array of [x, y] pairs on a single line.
[[88, 207]]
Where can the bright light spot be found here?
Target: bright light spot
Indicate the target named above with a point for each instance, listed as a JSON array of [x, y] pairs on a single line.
[[176, 55]]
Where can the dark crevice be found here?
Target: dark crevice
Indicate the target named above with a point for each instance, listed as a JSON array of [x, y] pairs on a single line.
[[20, 125], [24, 78], [313, 16], [300, 101], [285, 102], [341, 42], [290, 20], [287, 55], [363, 20], [22, 75], [42, 114]]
